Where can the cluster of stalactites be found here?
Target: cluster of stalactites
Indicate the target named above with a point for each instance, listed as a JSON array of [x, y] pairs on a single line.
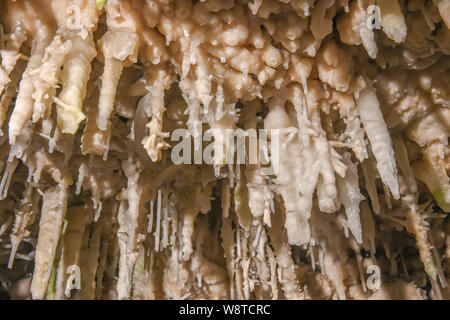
[[101, 85]]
